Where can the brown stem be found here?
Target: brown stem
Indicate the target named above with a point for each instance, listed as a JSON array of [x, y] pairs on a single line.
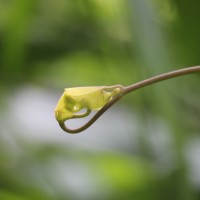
[[161, 77]]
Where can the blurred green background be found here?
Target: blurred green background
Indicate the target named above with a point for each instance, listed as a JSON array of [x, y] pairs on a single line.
[[146, 147]]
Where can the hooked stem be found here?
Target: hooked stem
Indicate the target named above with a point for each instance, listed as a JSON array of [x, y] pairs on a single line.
[[92, 120]]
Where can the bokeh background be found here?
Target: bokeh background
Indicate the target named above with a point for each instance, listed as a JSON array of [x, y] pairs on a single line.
[[146, 147]]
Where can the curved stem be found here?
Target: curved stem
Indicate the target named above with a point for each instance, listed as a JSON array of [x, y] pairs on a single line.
[[161, 77], [92, 120]]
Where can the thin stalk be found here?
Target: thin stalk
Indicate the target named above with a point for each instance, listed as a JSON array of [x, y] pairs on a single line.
[[161, 77]]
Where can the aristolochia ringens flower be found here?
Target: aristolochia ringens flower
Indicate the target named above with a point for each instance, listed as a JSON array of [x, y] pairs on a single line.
[[75, 99], [94, 98]]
